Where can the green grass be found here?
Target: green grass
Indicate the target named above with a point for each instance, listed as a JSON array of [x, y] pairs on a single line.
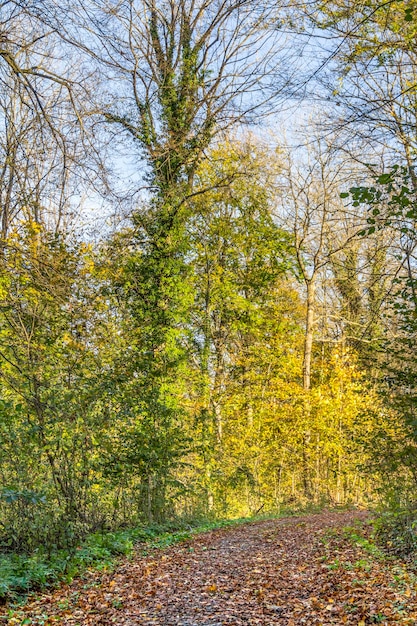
[[368, 545]]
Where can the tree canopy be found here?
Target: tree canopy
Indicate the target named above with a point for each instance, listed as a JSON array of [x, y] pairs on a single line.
[[237, 333]]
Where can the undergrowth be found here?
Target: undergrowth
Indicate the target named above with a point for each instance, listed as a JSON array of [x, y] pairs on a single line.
[[396, 531], [21, 573]]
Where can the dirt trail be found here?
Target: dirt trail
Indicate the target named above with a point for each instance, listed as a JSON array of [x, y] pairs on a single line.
[[290, 572]]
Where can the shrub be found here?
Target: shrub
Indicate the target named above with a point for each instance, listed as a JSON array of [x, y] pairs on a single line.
[[396, 531]]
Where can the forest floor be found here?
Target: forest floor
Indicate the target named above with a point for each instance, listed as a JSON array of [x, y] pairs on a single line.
[[315, 569]]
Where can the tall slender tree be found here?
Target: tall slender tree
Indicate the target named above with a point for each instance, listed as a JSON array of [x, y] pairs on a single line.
[[179, 74]]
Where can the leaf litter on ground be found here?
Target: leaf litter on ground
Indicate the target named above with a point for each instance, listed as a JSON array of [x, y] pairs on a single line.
[[319, 569]]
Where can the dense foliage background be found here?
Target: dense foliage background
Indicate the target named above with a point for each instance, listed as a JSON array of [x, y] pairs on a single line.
[[236, 333]]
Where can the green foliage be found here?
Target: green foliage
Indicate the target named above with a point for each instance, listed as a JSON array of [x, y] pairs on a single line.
[[54, 367], [21, 573], [396, 532], [391, 204], [391, 201], [161, 377], [366, 543]]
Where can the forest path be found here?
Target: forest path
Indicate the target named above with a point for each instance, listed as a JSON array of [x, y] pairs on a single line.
[[293, 571]]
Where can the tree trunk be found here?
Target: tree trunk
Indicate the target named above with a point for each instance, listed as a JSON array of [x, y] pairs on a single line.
[[309, 331], [308, 348]]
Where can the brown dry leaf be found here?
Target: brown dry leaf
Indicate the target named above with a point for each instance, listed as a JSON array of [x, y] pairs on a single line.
[[286, 582]]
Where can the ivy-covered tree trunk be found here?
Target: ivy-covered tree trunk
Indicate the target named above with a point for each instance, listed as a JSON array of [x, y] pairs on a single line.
[[175, 108], [160, 300]]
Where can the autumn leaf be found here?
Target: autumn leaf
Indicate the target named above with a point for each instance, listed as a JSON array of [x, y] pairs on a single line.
[[259, 582]]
